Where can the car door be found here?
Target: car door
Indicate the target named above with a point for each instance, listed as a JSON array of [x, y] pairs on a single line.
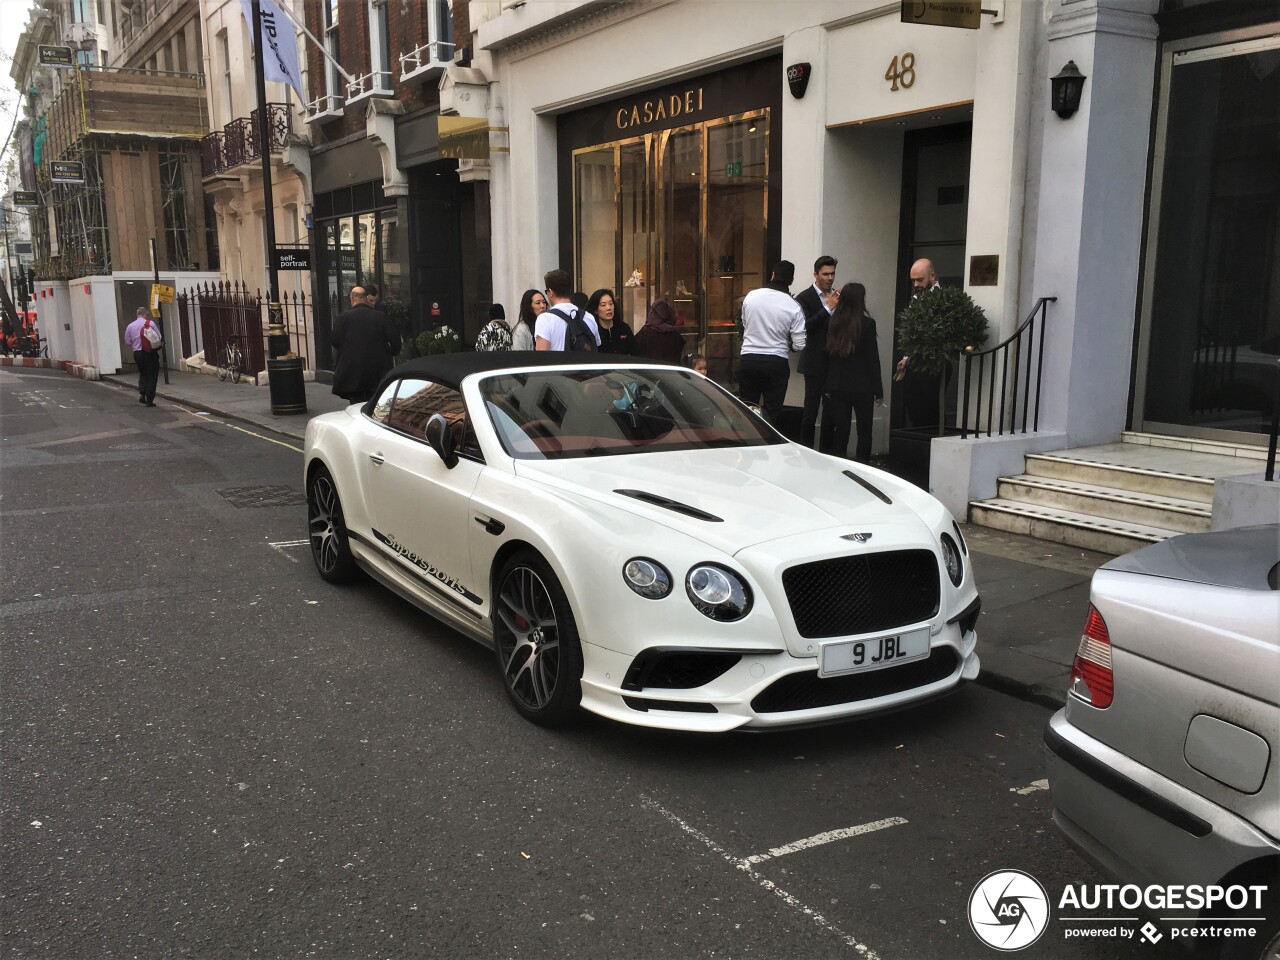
[[419, 508]]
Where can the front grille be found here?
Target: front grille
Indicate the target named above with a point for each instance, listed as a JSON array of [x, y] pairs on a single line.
[[677, 669], [862, 594], [805, 691]]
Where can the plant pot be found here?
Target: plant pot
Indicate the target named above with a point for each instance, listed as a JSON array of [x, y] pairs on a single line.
[[909, 452]]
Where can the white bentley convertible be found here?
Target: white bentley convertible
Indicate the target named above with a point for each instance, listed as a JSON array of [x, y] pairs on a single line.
[[632, 539]]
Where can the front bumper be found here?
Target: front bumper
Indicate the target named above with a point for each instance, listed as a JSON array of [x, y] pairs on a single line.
[[1137, 825], [747, 696]]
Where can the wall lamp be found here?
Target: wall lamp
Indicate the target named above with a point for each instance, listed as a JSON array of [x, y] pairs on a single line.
[[1067, 86]]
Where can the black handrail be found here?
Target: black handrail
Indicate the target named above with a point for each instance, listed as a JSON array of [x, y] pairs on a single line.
[[1275, 428], [999, 355]]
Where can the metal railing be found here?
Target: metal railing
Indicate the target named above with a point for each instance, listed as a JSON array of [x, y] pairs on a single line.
[[1275, 428], [1010, 363], [237, 142], [209, 312]]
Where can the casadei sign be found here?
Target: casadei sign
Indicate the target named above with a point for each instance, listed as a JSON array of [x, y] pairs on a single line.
[[1010, 910]]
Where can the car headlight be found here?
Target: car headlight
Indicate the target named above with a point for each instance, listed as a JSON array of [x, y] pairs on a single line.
[[718, 593], [951, 557], [648, 578]]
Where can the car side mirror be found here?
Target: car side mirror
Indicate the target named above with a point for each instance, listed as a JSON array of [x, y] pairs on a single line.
[[440, 437]]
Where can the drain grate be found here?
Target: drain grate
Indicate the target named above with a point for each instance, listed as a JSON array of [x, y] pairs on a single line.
[[141, 446], [244, 498]]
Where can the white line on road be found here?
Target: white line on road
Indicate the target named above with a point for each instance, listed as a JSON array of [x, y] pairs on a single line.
[[764, 882], [819, 839], [280, 546]]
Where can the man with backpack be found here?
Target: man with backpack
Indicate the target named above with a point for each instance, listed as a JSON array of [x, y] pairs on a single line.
[[562, 326], [143, 338]]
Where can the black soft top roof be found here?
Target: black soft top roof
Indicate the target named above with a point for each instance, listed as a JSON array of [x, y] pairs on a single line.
[[450, 369]]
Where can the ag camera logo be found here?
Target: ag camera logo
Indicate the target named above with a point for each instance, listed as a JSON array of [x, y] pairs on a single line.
[[1008, 910]]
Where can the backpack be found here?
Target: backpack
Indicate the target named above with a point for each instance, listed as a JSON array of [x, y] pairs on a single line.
[[577, 335], [150, 336]]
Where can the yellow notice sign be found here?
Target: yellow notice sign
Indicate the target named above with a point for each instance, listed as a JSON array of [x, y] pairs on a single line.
[[966, 14], [160, 293]]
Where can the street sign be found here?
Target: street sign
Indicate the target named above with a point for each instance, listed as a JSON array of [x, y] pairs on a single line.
[[292, 259], [966, 14], [161, 293], [25, 198], [52, 56], [66, 171]]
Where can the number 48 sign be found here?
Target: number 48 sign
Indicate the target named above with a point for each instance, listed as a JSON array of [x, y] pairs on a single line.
[[901, 72]]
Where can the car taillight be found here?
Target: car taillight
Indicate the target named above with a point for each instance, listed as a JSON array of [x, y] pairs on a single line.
[[1091, 677]]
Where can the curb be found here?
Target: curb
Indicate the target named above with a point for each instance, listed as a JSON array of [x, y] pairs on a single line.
[[82, 370], [1051, 697], [29, 362]]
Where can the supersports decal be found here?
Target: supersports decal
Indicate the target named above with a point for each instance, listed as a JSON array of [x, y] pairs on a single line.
[[435, 573]]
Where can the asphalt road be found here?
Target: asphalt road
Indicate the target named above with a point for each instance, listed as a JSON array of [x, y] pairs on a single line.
[[209, 752]]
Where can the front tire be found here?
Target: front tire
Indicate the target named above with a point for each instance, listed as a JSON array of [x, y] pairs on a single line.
[[536, 641], [327, 530]]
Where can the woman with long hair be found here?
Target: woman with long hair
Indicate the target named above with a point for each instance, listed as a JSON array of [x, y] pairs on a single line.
[[853, 386], [615, 335], [532, 303]]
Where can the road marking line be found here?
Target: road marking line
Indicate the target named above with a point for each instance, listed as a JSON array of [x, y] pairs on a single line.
[[87, 437], [819, 839], [763, 882], [208, 419], [1036, 785], [281, 545]]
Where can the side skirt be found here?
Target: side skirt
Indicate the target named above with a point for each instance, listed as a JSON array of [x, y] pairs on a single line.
[[475, 627]]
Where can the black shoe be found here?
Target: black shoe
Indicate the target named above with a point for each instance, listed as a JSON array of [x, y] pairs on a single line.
[[142, 399], [150, 403]]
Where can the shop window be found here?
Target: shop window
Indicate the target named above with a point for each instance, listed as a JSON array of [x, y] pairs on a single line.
[[679, 214]]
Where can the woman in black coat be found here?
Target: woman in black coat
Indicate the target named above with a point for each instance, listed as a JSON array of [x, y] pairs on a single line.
[[853, 386], [615, 335]]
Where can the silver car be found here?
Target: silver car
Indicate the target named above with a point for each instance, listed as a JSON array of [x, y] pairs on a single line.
[[1163, 763]]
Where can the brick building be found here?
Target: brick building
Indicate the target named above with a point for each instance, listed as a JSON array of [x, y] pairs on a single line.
[[387, 207]]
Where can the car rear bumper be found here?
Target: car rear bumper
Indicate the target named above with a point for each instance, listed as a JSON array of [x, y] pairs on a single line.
[[1137, 825]]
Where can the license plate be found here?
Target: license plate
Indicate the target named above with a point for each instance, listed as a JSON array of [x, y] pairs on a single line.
[[875, 653]]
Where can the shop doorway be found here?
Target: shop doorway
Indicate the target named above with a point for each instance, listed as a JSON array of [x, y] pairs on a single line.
[[1210, 327], [680, 214], [933, 220]]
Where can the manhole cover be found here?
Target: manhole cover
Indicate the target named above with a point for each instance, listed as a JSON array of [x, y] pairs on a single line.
[[140, 446], [267, 496]]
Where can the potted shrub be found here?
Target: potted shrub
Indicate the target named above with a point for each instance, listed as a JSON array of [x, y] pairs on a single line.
[[934, 329]]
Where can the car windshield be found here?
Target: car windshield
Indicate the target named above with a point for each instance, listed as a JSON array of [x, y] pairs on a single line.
[[555, 414]]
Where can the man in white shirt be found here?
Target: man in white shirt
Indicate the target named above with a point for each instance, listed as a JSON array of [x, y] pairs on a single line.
[[549, 329], [772, 326]]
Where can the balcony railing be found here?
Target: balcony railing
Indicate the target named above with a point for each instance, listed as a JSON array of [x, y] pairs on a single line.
[[238, 141], [212, 160], [426, 61]]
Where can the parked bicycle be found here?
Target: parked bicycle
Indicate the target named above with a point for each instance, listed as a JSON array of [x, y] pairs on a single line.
[[33, 347], [231, 363]]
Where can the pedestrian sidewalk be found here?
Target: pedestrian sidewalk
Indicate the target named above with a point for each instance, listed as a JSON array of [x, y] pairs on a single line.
[[1035, 594]]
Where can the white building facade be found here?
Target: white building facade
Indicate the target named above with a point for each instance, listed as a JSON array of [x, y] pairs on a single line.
[[660, 144]]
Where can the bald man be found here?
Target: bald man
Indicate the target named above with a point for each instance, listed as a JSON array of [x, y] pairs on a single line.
[[923, 277]]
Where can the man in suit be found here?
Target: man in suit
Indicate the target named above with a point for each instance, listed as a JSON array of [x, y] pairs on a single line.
[[817, 302], [920, 389], [367, 343]]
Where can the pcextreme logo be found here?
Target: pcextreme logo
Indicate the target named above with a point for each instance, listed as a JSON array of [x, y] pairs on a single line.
[[1008, 910]]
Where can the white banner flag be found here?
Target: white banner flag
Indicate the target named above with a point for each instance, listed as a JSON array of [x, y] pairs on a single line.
[[280, 43]]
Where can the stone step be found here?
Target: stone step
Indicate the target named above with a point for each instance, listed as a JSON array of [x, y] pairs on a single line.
[[1142, 480], [1220, 448], [1107, 503], [1065, 526]]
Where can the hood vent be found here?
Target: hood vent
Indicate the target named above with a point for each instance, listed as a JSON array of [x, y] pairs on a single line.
[[668, 504], [872, 489]]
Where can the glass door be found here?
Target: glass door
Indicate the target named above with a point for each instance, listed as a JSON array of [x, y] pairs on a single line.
[[680, 276], [1211, 305], [680, 214]]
